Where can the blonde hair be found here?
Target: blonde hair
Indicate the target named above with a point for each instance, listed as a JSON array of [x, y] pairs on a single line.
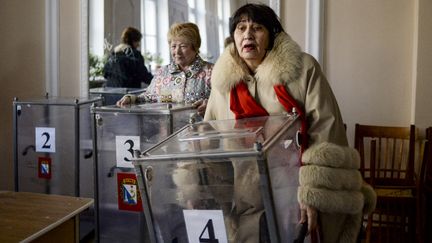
[[188, 31]]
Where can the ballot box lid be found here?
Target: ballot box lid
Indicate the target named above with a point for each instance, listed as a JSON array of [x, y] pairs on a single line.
[[146, 108], [57, 100], [116, 90], [243, 137]]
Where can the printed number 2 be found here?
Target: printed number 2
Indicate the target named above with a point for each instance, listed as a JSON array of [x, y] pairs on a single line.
[[211, 234], [46, 145], [131, 145]]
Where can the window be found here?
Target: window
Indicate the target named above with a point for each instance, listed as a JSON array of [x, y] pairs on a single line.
[[150, 27], [197, 15], [154, 21], [223, 22], [211, 16]]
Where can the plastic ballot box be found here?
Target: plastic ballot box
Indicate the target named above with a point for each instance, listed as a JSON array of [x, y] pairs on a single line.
[[53, 150], [53, 146], [223, 181], [119, 131], [111, 95]]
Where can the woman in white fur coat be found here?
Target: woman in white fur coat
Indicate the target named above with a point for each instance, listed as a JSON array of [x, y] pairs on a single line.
[[260, 58]]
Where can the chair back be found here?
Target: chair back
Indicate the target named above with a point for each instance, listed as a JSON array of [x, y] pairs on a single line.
[[387, 163], [387, 154], [426, 168], [425, 191]]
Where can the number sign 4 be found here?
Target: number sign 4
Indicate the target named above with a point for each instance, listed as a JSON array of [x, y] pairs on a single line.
[[205, 226]]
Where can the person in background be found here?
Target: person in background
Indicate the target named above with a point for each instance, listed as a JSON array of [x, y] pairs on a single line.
[[125, 66], [264, 72], [186, 79]]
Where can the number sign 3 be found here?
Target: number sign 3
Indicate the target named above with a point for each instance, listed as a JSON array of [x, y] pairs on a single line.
[[125, 146], [45, 139]]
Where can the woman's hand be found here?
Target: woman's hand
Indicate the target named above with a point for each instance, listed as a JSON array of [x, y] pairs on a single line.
[[125, 100], [201, 106], [311, 215]]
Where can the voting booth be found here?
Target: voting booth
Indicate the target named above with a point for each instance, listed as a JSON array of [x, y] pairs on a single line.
[[119, 131], [111, 95], [53, 152], [193, 184]]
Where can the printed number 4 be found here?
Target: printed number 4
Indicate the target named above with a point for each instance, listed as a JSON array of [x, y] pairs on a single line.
[[211, 234]]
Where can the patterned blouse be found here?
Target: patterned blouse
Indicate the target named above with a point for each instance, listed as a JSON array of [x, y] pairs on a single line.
[[171, 84]]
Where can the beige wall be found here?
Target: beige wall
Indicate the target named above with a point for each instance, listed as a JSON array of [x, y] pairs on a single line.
[[22, 70], [423, 98], [293, 18], [369, 50], [368, 61], [22, 66], [69, 56]]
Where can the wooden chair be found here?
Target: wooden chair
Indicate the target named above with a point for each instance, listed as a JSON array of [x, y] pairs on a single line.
[[387, 163], [394, 154], [425, 192]]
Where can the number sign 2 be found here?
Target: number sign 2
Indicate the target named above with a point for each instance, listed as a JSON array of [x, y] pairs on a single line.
[[125, 146], [205, 226], [45, 139]]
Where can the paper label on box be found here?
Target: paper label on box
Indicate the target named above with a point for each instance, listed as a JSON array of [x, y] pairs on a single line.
[[205, 226], [45, 139], [125, 146]]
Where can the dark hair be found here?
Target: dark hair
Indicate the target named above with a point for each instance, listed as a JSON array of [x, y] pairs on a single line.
[[130, 35], [258, 13]]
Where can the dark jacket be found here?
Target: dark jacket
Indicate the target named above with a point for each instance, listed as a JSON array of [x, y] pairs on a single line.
[[125, 68]]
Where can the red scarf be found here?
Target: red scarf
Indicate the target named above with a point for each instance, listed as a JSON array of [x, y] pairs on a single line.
[[244, 105]]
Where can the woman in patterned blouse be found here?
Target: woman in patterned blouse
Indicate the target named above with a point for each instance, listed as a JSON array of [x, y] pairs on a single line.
[[186, 79]]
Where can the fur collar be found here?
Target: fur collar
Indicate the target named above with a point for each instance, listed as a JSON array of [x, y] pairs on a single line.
[[282, 64], [122, 47]]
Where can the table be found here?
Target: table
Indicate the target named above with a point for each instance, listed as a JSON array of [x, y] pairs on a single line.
[[35, 217]]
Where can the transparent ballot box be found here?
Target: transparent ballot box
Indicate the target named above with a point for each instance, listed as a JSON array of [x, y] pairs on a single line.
[[111, 95], [53, 150], [223, 181], [118, 132]]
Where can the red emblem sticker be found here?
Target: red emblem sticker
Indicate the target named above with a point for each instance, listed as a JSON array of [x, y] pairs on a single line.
[[44, 167], [128, 193]]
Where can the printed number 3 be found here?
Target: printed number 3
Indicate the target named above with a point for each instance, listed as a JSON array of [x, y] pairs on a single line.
[[131, 145], [211, 234]]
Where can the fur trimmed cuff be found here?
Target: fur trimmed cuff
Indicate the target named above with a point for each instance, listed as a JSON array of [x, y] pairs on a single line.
[[349, 202], [370, 198], [132, 98], [332, 155], [331, 178]]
